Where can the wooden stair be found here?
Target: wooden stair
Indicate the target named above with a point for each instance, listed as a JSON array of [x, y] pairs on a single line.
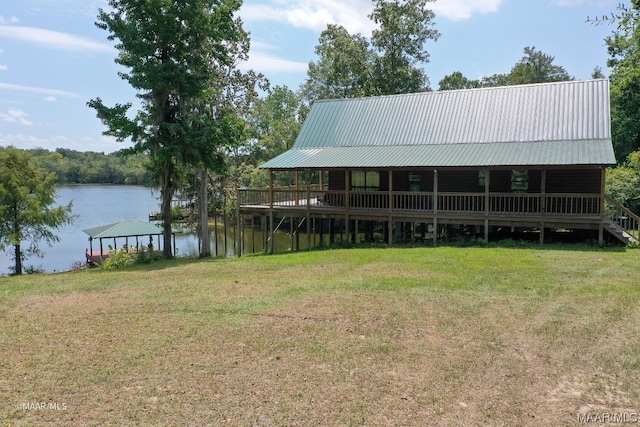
[[623, 224]]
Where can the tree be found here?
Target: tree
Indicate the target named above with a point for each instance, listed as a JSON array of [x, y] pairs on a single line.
[[624, 51], [456, 81], [351, 66], [533, 67], [168, 48], [27, 194], [537, 67], [276, 121], [343, 69], [405, 27]]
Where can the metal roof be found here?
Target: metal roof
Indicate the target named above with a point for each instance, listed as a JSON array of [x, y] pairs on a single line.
[[541, 124], [124, 229]]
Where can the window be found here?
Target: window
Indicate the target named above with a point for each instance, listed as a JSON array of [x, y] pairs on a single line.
[[365, 180], [520, 180]]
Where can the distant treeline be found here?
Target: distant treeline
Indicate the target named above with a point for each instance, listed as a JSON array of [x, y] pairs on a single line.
[[76, 167]]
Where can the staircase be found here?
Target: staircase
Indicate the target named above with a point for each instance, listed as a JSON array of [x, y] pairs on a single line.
[[622, 223]]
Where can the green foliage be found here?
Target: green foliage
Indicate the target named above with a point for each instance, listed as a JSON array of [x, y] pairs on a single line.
[[27, 215], [624, 51], [405, 27], [623, 183], [117, 259], [351, 66], [456, 81], [178, 56], [276, 121], [75, 167], [534, 67]]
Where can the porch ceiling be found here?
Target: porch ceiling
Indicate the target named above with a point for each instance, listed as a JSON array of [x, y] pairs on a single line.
[[542, 153]]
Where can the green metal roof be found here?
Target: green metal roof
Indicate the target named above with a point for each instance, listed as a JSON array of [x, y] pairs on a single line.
[[566, 123], [124, 229]]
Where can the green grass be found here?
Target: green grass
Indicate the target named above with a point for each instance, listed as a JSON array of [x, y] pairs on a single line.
[[397, 336]]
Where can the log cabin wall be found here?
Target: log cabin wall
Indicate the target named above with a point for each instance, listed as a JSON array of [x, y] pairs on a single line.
[[574, 181]]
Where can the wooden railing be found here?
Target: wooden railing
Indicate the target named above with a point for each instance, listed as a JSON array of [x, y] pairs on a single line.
[[622, 216], [556, 204]]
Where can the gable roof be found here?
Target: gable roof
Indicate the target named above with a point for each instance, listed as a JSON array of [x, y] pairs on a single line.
[[124, 229], [566, 123]]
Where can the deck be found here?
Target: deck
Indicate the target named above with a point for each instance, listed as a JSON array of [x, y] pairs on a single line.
[[517, 209]]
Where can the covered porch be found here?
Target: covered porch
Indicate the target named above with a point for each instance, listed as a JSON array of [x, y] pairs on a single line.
[[540, 198]]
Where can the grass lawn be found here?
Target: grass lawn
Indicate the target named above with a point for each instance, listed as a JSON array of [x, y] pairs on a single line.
[[401, 336]]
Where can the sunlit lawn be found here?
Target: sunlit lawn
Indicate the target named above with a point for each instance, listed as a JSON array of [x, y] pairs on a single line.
[[420, 336]]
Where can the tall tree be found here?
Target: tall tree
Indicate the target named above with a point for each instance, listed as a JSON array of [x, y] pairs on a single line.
[[456, 81], [276, 122], [404, 28], [624, 51], [534, 67], [350, 66], [168, 48], [27, 196], [343, 69], [537, 67]]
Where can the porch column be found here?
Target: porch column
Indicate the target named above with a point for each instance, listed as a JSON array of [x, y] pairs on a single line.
[[435, 206], [543, 202], [487, 202], [308, 210], [271, 234], [297, 187], [603, 172], [347, 196], [390, 228]]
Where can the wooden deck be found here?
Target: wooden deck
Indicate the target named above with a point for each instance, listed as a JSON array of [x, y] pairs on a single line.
[[518, 209]]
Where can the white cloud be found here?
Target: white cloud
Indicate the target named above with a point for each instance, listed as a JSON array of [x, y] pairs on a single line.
[[599, 3], [53, 39], [353, 15], [313, 14], [15, 115], [4, 68], [11, 20], [22, 141], [38, 90], [265, 63], [464, 9], [50, 99]]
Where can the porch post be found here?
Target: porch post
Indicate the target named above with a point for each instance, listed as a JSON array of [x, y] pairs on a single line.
[[543, 202], [297, 187], [435, 206], [603, 172], [487, 202], [347, 196], [390, 228], [271, 234], [308, 210]]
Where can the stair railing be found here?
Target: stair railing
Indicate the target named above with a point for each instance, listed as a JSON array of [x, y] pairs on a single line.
[[622, 216]]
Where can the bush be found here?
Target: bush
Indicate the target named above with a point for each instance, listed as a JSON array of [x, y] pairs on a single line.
[[117, 259]]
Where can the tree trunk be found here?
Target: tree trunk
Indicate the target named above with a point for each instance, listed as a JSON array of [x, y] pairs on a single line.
[[18, 255], [204, 236], [165, 208]]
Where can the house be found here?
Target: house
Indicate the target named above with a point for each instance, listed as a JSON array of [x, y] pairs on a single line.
[[530, 157]]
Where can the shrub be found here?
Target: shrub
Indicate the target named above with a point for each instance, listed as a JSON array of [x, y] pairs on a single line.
[[117, 259]]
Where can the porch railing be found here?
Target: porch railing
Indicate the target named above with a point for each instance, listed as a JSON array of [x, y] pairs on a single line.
[[555, 204]]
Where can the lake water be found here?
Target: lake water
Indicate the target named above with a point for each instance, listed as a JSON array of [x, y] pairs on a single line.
[[98, 205]]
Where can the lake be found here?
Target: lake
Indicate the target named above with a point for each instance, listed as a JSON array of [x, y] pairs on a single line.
[[95, 205]]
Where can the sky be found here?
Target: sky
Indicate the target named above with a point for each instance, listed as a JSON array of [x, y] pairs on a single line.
[[53, 59]]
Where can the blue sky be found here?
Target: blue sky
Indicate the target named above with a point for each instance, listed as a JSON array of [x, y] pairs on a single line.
[[53, 59]]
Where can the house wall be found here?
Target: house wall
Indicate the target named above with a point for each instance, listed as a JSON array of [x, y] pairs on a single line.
[[557, 181]]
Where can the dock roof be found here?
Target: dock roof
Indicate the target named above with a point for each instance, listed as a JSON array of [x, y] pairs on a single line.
[[129, 228], [565, 123]]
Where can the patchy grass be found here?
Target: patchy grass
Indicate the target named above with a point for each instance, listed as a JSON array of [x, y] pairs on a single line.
[[421, 336]]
